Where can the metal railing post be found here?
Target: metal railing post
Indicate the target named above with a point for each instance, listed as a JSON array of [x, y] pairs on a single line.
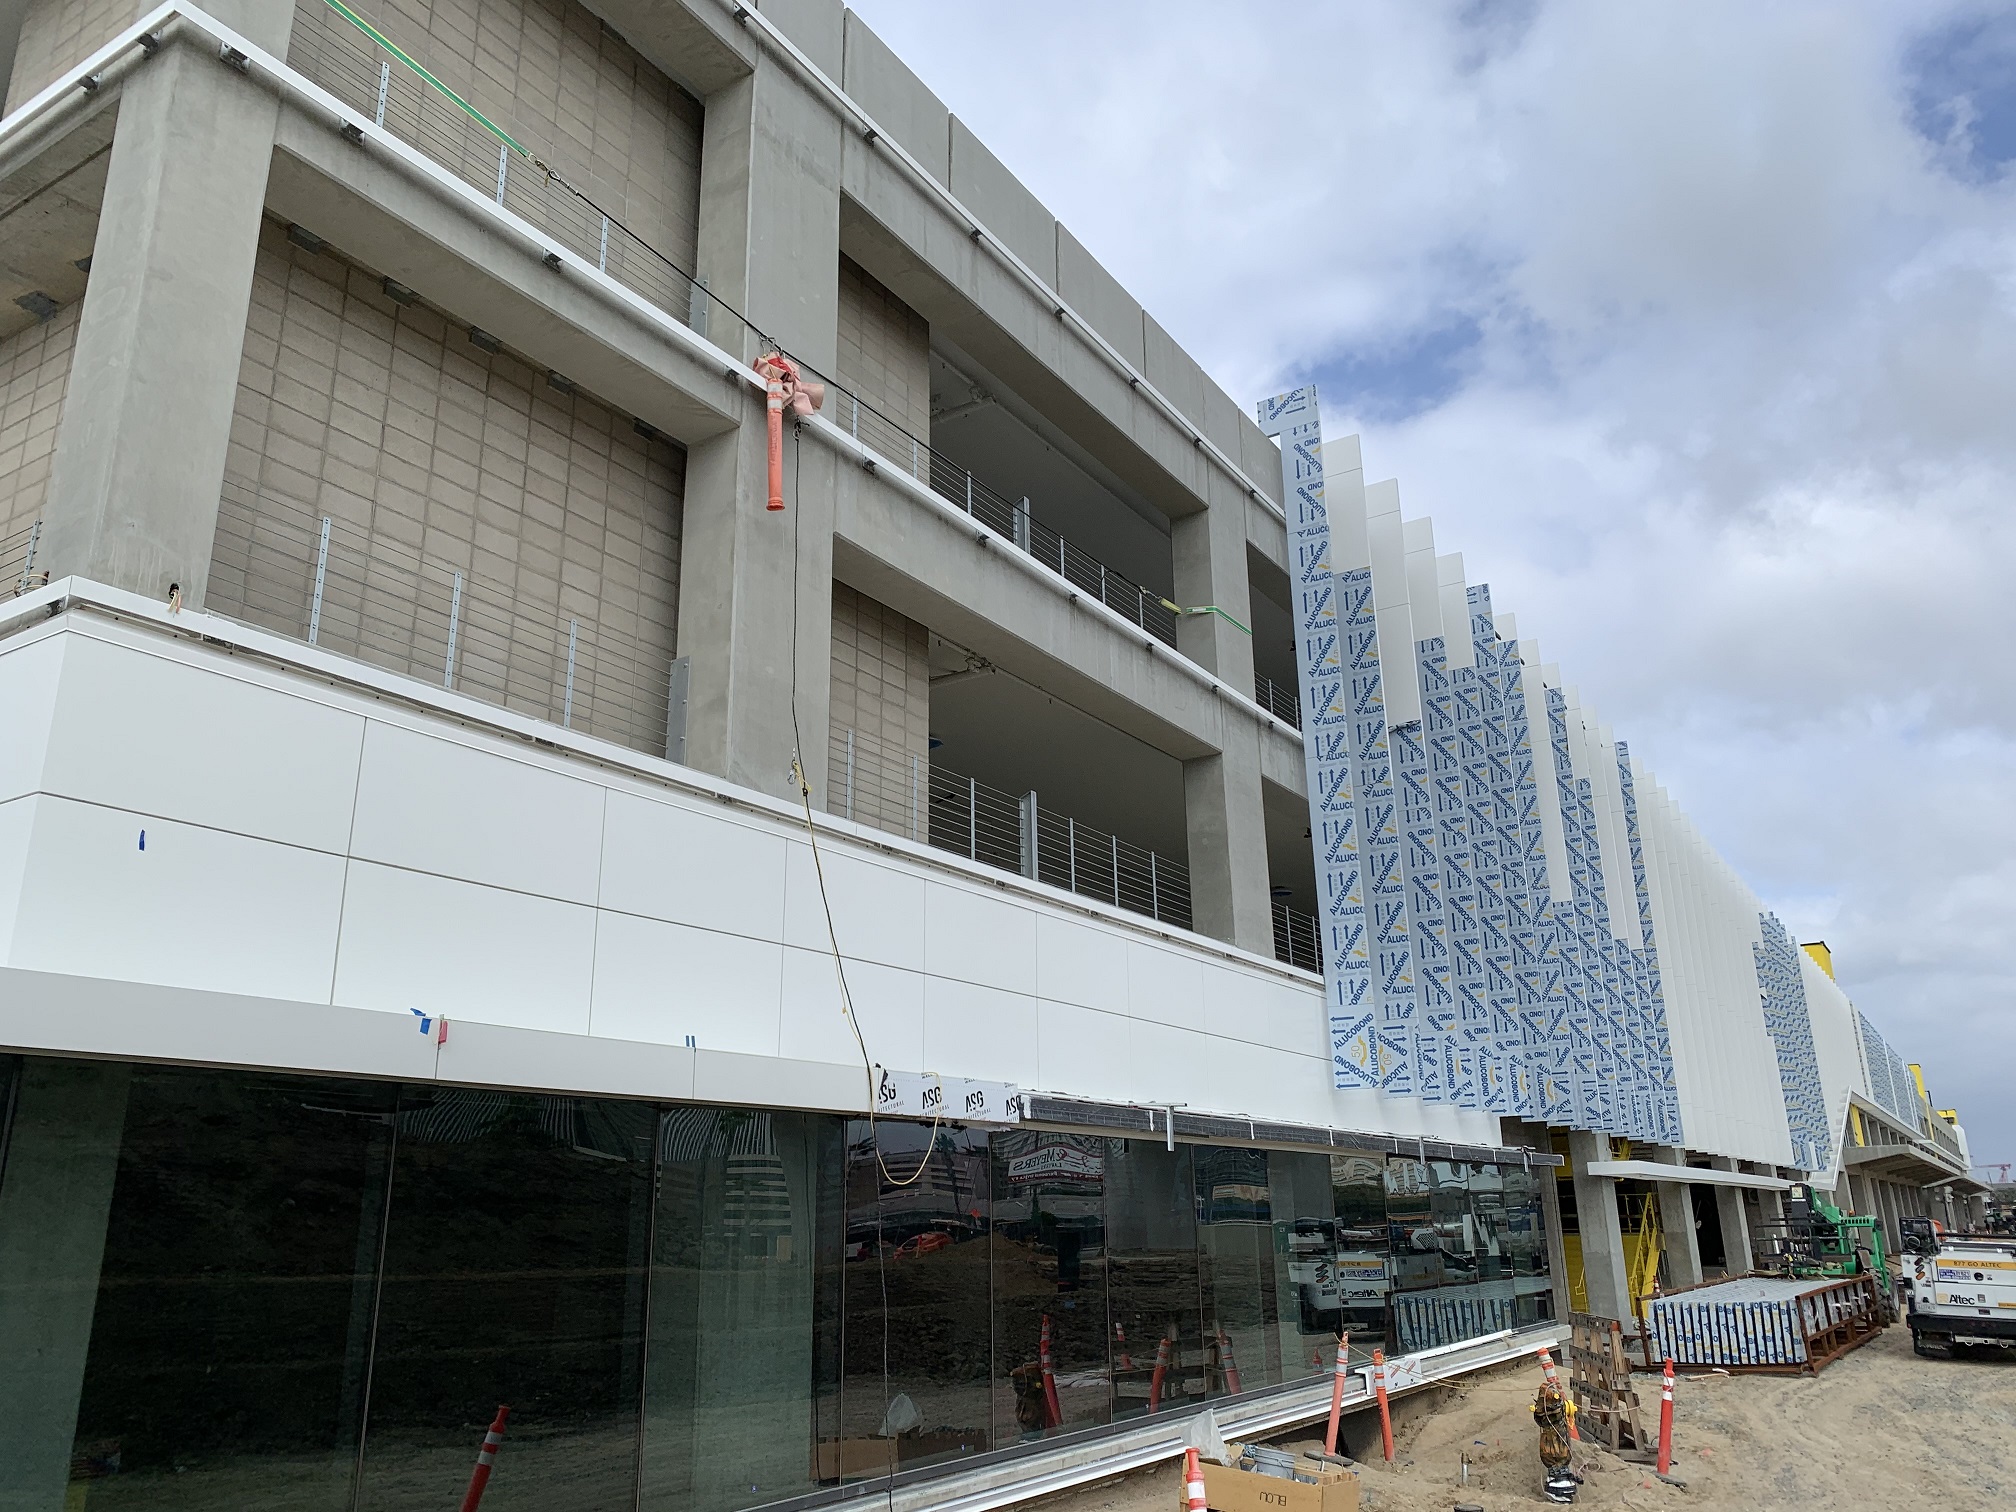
[[1141, 606], [856, 422], [1154, 891], [503, 169], [567, 704], [915, 764], [1031, 846], [915, 462], [321, 579], [384, 89], [1071, 849], [1102, 582], [28, 563], [1022, 525], [850, 774], [972, 819], [1116, 869], [454, 623], [602, 258]]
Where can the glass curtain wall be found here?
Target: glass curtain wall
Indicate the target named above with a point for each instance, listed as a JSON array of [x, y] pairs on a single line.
[[232, 1291]]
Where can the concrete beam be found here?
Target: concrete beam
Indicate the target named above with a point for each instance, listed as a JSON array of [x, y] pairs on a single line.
[[477, 270], [139, 460], [695, 42], [934, 568]]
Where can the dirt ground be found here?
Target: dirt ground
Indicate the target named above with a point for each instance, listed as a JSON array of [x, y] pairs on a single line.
[[1880, 1428]]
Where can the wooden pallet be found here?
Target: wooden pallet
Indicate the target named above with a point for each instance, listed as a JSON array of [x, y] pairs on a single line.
[[1599, 1376]]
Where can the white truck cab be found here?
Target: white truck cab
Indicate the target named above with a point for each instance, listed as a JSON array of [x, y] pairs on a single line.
[[1961, 1289]]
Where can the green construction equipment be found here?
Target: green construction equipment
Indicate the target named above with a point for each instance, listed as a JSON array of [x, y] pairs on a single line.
[[1815, 1238]]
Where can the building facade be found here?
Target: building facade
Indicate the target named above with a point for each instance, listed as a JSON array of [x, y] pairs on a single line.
[[784, 962]]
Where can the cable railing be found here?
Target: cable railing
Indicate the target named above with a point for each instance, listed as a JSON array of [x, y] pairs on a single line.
[[905, 792], [378, 84], [285, 567], [1296, 939], [1285, 704], [19, 570]]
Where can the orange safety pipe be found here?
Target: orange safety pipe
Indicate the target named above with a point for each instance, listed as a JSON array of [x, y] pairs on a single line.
[[485, 1458], [1161, 1371], [1665, 1420], [786, 389], [1337, 1378], [1120, 1338], [1379, 1389], [1050, 1407], [1193, 1483], [1554, 1380]]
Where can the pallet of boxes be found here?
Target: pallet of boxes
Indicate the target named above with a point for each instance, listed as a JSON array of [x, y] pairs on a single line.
[[1262, 1478]]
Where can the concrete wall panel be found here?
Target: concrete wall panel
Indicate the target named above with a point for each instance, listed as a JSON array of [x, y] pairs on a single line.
[[884, 353], [910, 114], [547, 71], [34, 376], [1008, 210]]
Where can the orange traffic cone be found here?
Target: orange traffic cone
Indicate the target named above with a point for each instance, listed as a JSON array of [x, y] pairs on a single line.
[[1193, 1483]]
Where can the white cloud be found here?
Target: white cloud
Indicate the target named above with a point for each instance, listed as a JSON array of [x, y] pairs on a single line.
[[1733, 438]]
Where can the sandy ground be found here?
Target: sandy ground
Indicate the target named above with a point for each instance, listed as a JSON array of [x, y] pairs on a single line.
[[1880, 1428]]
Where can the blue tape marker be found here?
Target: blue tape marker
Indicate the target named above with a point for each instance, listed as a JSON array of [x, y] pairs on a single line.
[[426, 1023], [143, 840]]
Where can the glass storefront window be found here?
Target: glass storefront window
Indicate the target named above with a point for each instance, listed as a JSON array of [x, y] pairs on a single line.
[[1235, 1242], [1050, 1282], [190, 1258], [742, 1366], [514, 1274], [250, 1291], [1152, 1277], [1308, 1278], [917, 1330]]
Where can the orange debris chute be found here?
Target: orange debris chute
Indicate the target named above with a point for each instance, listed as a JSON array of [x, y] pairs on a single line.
[[788, 390]]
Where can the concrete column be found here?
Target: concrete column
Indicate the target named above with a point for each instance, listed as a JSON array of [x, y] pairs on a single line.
[[1603, 1274], [1682, 1245], [1730, 1208], [769, 235], [1208, 552], [756, 608], [139, 461], [755, 587], [1227, 833], [61, 1161]]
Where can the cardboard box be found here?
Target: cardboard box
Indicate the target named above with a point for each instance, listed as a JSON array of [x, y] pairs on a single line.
[[1230, 1490]]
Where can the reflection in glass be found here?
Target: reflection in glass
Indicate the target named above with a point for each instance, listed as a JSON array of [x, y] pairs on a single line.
[[1308, 1298], [1235, 1232], [514, 1274], [917, 1335], [1152, 1277], [741, 1354], [1049, 1254], [213, 1238], [1411, 1223]]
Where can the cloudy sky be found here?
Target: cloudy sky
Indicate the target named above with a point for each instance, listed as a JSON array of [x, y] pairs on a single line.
[[1693, 326]]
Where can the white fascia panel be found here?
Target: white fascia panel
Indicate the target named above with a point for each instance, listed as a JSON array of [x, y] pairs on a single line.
[[1424, 593], [31, 671], [1399, 677], [1455, 593], [17, 823]]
